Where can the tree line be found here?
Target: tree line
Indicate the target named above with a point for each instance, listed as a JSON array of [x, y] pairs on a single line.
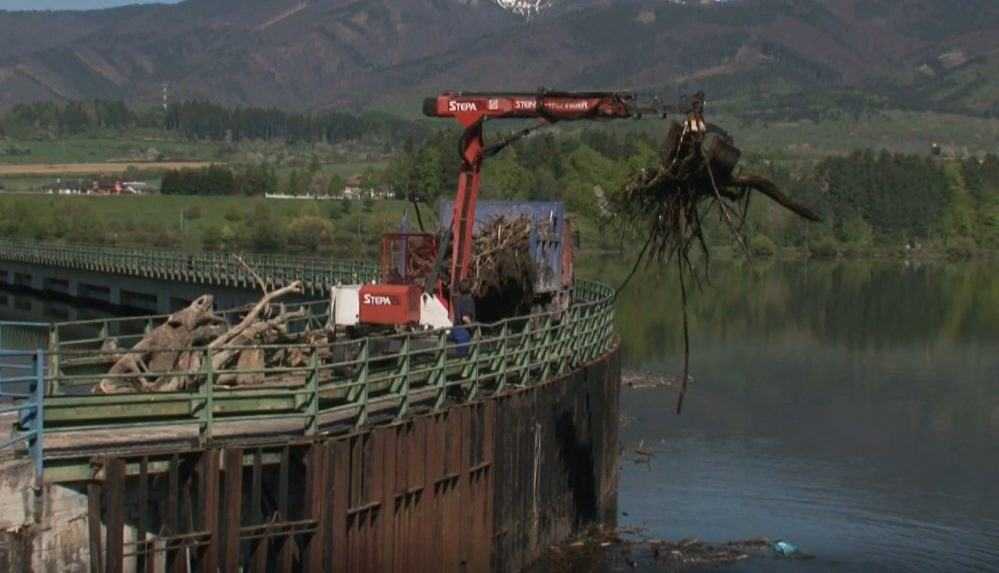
[[868, 198], [207, 121], [259, 179], [73, 118]]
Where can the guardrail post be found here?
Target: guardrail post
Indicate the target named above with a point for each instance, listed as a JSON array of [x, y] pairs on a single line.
[[526, 341], [208, 391], [54, 354], [362, 381], [471, 370], [312, 424], [547, 352], [401, 384], [499, 365], [37, 445], [439, 374]]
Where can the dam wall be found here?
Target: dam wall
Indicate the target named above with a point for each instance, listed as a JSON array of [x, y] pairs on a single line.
[[482, 486]]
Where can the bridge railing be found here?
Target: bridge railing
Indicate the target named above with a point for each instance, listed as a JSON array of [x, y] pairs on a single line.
[[345, 382], [22, 403], [16, 335], [217, 268]]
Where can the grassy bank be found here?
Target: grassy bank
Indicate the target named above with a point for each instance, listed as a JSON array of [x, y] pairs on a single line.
[[343, 228]]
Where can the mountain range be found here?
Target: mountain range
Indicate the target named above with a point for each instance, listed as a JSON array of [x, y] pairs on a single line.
[[326, 54]]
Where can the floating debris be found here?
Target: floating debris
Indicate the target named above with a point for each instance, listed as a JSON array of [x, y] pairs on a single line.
[[645, 381], [629, 548]]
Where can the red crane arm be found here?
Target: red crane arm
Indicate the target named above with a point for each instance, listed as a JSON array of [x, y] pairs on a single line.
[[471, 109]]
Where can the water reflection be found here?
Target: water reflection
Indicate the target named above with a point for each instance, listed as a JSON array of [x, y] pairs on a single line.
[[850, 407]]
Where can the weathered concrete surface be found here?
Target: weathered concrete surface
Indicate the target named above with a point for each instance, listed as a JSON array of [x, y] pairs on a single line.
[[17, 530], [40, 533], [483, 486]]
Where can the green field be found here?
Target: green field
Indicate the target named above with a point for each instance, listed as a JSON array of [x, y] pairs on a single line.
[[346, 228], [156, 146], [234, 223], [135, 145]]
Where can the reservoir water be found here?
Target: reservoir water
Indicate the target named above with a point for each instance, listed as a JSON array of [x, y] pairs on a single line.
[[851, 408]]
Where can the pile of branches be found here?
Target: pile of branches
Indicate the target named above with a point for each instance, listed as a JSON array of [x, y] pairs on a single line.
[[694, 178], [502, 261], [172, 356]]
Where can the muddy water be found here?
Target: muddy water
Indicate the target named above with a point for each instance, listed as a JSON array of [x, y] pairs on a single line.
[[850, 408]]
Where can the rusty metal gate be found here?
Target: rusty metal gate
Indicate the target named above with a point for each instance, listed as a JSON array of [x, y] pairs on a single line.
[[414, 496]]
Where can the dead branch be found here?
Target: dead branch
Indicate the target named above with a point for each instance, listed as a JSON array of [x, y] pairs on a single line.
[[253, 273], [252, 316]]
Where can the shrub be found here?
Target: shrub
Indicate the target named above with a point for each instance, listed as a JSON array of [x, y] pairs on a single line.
[[310, 232], [762, 246], [825, 247], [211, 238], [212, 180], [193, 212], [164, 237], [264, 232], [961, 248], [233, 214]]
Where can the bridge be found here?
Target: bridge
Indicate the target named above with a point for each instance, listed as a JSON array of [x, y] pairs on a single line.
[[317, 274], [382, 430]]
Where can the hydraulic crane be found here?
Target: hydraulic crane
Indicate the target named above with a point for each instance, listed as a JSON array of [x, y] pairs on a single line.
[[392, 303], [472, 110]]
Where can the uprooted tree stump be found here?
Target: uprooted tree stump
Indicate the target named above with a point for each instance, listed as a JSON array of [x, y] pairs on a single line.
[[668, 203], [172, 356]]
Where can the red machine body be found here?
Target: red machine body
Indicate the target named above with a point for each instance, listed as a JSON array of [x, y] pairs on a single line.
[[390, 304]]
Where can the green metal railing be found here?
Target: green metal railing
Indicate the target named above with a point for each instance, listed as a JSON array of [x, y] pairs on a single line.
[[343, 382], [23, 335], [221, 269]]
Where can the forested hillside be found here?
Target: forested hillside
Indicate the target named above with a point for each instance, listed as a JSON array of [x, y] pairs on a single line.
[[318, 54]]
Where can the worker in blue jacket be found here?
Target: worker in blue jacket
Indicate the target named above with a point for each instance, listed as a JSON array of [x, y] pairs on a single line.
[[464, 315]]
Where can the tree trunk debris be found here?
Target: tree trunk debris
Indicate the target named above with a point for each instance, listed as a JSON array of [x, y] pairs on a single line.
[[171, 357]]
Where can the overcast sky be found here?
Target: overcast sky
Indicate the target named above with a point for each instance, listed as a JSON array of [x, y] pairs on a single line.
[[71, 4]]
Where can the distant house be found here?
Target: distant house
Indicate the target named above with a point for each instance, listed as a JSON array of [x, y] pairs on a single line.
[[136, 187], [355, 189]]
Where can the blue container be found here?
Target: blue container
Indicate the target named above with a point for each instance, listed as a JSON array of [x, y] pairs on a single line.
[[547, 232]]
